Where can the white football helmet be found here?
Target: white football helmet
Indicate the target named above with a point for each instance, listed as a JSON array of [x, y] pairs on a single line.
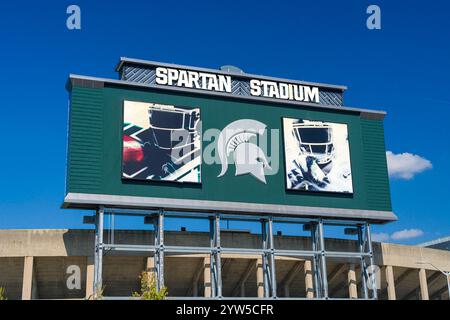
[[315, 138]]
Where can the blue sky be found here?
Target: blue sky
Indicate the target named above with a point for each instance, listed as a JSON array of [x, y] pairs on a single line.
[[404, 68]]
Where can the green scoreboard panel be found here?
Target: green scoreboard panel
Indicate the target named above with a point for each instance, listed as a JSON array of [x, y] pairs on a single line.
[[202, 140]]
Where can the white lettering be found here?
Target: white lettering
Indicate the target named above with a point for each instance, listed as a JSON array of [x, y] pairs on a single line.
[[161, 75], [193, 80], [255, 87], [311, 94], [223, 83], [183, 79], [172, 76]]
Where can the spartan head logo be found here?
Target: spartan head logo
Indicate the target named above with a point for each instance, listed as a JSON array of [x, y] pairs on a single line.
[[237, 142]]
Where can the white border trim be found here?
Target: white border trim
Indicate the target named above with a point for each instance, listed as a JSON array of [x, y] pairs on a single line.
[[92, 201]]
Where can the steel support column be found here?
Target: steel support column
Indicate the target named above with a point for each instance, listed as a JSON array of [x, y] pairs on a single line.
[[265, 268], [273, 280], [212, 263], [94, 283], [323, 260], [315, 262], [98, 261], [160, 251], [218, 258], [363, 265], [373, 275]]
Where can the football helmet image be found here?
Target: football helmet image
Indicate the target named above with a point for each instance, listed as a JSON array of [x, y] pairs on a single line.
[[317, 156], [315, 151], [169, 124], [168, 147], [315, 139]]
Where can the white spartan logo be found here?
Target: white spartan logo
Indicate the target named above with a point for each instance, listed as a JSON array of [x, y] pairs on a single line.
[[236, 144]]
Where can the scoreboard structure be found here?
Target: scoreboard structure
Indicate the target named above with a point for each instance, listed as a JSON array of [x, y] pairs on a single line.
[[171, 140]]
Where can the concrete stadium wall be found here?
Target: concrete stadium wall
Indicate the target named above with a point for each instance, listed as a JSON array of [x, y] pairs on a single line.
[[34, 265]]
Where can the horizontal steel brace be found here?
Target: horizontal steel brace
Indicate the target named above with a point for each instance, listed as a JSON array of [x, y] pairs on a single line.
[[129, 247], [295, 253], [336, 254]]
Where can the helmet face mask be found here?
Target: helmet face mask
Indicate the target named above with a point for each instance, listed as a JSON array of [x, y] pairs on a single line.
[[173, 128], [315, 139]]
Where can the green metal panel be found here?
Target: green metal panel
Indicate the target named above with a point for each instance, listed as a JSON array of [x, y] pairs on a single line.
[[95, 151], [85, 156], [375, 165]]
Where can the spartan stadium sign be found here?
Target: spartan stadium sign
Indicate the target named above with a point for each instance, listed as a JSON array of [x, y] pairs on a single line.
[[223, 83]]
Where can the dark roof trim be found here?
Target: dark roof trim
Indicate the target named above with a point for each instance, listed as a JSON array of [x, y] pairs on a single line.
[[93, 82], [124, 60]]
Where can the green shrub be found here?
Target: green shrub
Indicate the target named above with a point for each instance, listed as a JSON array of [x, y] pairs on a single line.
[[149, 289], [3, 294]]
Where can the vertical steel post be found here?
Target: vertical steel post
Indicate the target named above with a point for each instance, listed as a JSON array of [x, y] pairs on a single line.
[[218, 258], [161, 249], [361, 246], [95, 257], [112, 227], [212, 256], [317, 286], [264, 258], [323, 261], [99, 279], [273, 279], [156, 245], [373, 276]]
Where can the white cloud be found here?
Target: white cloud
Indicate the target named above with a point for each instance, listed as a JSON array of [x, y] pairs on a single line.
[[380, 237], [406, 165], [406, 234]]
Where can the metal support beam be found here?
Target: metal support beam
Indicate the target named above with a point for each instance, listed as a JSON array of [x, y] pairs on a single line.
[[218, 264], [315, 261], [361, 246], [98, 262], [316, 280], [160, 252], [264, 263], [373, 275], [212, 262], [273, 279], [94, 283], [323, 261]]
